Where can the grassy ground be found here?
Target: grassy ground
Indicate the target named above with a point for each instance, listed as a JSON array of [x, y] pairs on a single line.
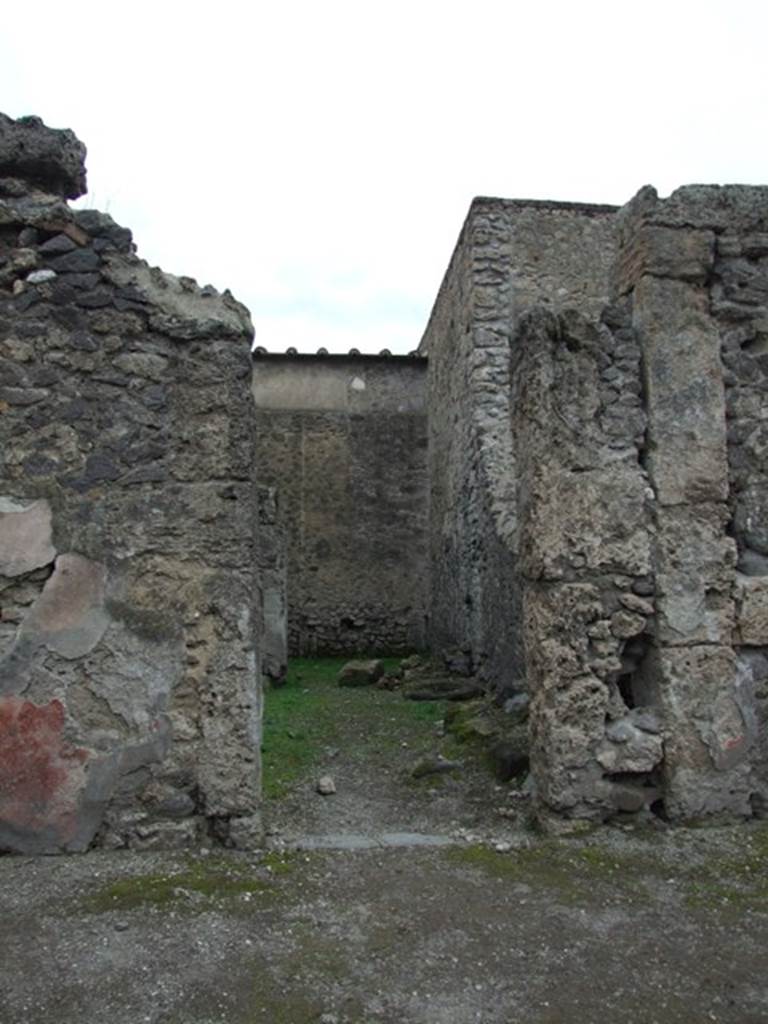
[[734, 882], [312, 714]]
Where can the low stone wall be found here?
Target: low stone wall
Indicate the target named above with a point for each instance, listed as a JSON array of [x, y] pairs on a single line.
[[342, 439], [129, 697]]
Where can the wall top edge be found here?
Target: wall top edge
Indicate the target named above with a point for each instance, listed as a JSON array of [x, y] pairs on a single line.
[[596, 209], [260, 353]]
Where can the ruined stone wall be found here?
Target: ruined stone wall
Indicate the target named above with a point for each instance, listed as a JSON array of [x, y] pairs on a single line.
[[695, 267], [343, 442], [510, 256], [129, 699], [597, 414], [585, 526]]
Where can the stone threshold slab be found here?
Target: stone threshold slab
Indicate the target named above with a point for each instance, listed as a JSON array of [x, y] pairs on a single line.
[[360, 841]]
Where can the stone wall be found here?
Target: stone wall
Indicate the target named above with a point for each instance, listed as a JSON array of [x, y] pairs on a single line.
[[511, 255], [597, 409], [584, 562], [342, 439], [272, 583], [695, 267], [585, 516], [129, 698]]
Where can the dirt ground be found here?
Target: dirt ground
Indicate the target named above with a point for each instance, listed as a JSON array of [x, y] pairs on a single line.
[[658, 928], [643, 925]]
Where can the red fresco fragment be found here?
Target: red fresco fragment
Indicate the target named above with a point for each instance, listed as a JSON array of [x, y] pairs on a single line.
[[41, 776]]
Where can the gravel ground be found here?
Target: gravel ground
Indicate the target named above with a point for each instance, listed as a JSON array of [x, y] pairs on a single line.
[[623, 926], [629, 925]]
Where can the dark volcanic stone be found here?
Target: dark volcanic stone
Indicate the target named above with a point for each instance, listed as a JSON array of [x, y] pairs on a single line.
[[100, 467], [58, 245], [62, 293], [107, 231], [82, 281], [28, 237], [83, 342], [96, 299], [80, 261], [48, 159]]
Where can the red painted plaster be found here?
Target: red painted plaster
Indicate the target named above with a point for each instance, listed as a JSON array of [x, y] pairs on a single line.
[[41, 776]]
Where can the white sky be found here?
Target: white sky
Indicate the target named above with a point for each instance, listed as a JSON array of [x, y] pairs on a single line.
[[318, 158]]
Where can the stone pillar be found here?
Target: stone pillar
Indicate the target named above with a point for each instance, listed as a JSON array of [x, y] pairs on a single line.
[[585, 561], [667, 267]]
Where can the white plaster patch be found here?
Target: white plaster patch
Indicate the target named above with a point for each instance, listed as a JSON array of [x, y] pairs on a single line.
[[69, 616], [26, 540], [357, 384]]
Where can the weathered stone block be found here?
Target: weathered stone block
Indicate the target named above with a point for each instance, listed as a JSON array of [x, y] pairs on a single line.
[[69, 617], [51, 160], [751, 516], [752, 610], [556, 620], [709, 729], [566, 727], [696, 564], [629, 749], [360, 673], [594, 521], [684, 254], [684, 389]]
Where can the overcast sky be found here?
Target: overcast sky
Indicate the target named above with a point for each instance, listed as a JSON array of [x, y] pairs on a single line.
[[318, 158]]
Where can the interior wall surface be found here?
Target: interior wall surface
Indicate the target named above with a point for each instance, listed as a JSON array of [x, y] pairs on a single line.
[[343, 440], [510, 256], [129, 693]]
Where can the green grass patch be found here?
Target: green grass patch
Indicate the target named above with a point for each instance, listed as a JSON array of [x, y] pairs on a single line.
[[194, 885], [735, 882], [311, 714], [575, 874], [579, 873]]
